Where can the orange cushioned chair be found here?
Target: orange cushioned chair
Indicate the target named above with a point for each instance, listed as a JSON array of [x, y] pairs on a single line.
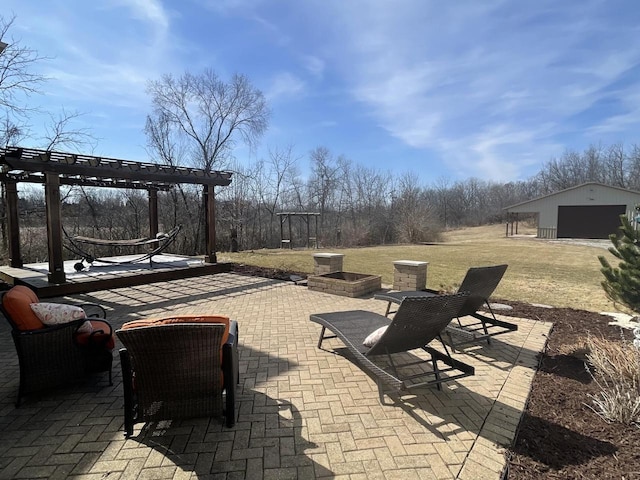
[[53, 355], [179, 367]]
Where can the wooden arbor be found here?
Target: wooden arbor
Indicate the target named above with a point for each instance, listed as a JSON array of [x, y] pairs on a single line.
[[306, 216], [57, 168]]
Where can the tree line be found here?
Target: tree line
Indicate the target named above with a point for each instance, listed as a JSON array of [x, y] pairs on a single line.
[[358, 205]]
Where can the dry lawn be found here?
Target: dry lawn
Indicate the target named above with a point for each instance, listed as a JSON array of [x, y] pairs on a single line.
[[540, 271]]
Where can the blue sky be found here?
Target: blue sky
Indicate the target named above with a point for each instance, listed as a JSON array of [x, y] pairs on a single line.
[[444, 90]]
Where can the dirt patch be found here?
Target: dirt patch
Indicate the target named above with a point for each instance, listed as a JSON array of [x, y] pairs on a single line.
[[559, 436], [266, 272]]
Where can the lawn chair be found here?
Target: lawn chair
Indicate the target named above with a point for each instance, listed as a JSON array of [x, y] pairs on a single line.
[[179, 367], [53, 355], [480, 282], [417, 322]]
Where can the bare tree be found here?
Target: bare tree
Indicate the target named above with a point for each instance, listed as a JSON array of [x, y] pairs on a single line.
[[11, 133], [60, 132], [16, 76], [210, 113], [17, 81], [323, 181], [415, 217], [271, 184]]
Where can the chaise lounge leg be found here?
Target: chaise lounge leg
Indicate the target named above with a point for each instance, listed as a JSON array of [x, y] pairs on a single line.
[[321, 337], [436, 371]]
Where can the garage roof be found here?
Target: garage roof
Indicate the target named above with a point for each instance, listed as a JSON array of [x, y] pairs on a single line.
[[533, 203]]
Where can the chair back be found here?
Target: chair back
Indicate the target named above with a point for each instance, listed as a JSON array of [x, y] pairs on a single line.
[[178, 369], [480, 282], [15, 305], [418, 321]]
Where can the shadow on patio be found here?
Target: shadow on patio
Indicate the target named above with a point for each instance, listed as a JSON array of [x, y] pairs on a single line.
[[303, 413]]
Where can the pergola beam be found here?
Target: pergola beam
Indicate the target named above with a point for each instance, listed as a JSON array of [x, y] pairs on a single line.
[[34, 160]]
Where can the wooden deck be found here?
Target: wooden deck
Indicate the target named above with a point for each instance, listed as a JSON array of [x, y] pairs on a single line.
[[104, 277]]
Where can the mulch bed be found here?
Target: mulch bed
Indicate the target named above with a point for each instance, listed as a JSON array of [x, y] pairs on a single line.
[[559, 436]]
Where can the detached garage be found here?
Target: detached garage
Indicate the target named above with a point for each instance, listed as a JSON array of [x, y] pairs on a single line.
[[590, 210]]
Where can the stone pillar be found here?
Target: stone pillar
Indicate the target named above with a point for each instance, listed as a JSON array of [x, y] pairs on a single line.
[[327, 263], [409, 275]]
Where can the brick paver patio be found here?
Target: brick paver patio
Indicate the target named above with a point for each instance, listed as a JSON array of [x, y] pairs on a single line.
[[303, 412]]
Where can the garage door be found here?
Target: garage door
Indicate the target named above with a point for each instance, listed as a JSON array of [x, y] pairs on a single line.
[[589, 221]]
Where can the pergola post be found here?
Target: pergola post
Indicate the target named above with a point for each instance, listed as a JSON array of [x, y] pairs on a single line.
[[54, 228], [153, 213], [210, 226], [13, 224]]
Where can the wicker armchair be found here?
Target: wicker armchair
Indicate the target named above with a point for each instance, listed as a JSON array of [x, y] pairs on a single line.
[[51, 356], [179, 369]]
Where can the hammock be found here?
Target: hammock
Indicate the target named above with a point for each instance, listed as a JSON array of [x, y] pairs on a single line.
[[76, 243]]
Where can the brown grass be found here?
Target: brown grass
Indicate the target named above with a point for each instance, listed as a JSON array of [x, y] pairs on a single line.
[[540, 271], [617, 373]]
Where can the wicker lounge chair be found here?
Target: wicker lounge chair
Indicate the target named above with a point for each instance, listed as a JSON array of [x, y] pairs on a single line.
[[417, 322], [51, 356], [480, 282], [179, 369]]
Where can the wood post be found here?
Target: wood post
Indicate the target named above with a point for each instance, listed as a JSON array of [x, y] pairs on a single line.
[[13, 224], [153, 213], [54, 228], [210, 226]]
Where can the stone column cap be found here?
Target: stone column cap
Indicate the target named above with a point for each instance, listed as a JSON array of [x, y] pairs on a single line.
[[328, 255], [410, 263]]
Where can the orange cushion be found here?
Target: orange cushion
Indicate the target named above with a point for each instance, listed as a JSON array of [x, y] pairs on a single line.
[[101, 335], [182, 319], [17, 302]]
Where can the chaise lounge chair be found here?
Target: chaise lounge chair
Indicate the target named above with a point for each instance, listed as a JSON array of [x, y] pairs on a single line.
[[480, 282], [417, 322]]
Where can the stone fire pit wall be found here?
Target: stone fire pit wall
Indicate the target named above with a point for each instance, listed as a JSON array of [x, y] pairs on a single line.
[[409, 275], [347, 284], [327, 263]]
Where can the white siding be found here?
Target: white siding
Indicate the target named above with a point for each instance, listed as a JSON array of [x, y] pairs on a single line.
[[587, 194]]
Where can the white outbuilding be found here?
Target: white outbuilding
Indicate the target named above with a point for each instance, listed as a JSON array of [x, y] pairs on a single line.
[[590, 210]]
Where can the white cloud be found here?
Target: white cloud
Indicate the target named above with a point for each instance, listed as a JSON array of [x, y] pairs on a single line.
[[150, 11], [285, 85], [314, 65], [492, 83]]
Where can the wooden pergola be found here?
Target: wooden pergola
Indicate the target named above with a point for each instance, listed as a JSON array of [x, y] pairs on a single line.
[[53, 169]]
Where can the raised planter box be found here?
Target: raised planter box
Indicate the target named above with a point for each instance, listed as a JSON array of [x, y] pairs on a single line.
[[347, 284]]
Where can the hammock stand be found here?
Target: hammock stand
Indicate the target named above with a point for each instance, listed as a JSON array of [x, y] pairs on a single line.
[[77, 246]]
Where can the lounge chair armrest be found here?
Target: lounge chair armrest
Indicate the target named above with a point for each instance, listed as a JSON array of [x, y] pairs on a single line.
[[48, 330], [430, 290], [100, 331], [233, 334], [127, 387], [230, 372], [93, 310]]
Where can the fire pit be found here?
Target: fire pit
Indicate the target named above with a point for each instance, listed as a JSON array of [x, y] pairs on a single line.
[[347, 284]]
